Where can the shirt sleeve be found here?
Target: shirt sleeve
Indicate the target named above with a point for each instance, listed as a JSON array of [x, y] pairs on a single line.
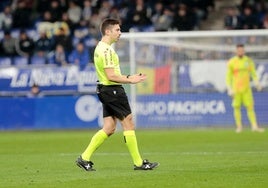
[[108, 58]]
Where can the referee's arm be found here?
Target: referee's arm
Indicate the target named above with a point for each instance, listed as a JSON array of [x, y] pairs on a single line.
[[124, 79]]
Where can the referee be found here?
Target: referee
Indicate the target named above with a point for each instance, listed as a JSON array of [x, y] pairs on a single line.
[[114, 99]]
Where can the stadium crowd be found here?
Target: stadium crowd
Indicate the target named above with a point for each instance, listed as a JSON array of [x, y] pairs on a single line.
[[64, 31], [249, 14]]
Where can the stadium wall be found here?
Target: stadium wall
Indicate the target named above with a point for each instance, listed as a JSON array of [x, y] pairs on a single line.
[[53, 112], [200, 100], [153, 111]]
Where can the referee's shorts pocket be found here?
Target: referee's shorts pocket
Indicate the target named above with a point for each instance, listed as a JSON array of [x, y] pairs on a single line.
[[110, 94]]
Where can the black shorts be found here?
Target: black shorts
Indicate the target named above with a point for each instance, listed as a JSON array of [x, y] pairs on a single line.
[[114, 101]]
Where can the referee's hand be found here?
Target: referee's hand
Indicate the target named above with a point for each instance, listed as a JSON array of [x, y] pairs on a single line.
[[136, 78]]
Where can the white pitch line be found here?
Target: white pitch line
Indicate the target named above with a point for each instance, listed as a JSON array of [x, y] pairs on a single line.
[[175, 153]]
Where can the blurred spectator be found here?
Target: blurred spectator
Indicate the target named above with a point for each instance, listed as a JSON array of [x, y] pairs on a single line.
[[34, 92], [261, 10], [105, 9], [74, 13], [3, 4], [43, 43], [25, 45], [139, 16], [47, 17], [249, 19], [63, 25], [95, 22], [63, 39], [65, 18], [42, 6], [55, 10], [79, 3], [39, 58], [8, 45], [245, 3], [86, 13], [157, 10], [201, 8], [59, 56], [29, 4], [79, 56], [123, 10], [252, 13], [6, 19], [22, 16], [64, 4], [163, 18], [265, 22], [254, 40], [232, 19], [183, 19], [114, 13]]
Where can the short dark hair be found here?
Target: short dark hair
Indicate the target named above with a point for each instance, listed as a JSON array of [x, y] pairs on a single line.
[[35, 85], [107, 23], [240, 46]]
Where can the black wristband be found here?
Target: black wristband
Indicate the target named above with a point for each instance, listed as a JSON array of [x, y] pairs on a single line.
[[128, 76]]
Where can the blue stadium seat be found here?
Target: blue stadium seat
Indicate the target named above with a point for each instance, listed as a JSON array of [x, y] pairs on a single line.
[[75, 41], [36, 60], [32, 33], [90, 42], [5, 61], [20, 61], [15, 33]]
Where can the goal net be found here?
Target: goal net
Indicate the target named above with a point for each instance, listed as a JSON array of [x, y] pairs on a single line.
[[185, 71]]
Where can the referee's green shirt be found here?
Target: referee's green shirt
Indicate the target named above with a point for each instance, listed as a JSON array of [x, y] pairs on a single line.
[[105, 57]]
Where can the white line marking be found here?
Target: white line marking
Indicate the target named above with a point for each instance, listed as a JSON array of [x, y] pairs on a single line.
[[175, 153]]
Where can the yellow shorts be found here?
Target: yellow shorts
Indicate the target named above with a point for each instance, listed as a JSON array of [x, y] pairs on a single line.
[[244, 98]]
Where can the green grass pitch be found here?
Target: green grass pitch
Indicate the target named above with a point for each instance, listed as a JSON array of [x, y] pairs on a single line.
[[188, 157]]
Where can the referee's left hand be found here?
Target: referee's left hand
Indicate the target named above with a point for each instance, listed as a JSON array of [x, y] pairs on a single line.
[[136, 78]]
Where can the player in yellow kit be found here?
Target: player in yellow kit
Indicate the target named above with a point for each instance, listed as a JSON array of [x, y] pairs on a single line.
[[240, 70]]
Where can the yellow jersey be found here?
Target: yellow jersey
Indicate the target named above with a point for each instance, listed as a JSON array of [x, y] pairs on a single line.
[[239, 72], [106, 57]]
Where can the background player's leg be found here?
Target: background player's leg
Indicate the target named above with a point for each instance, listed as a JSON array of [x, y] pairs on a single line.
[[252, 116], [248, 101], [236, 103], [238, 119], [252, 119]]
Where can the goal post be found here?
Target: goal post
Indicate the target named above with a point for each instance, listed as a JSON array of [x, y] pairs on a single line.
[[186, 74]]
